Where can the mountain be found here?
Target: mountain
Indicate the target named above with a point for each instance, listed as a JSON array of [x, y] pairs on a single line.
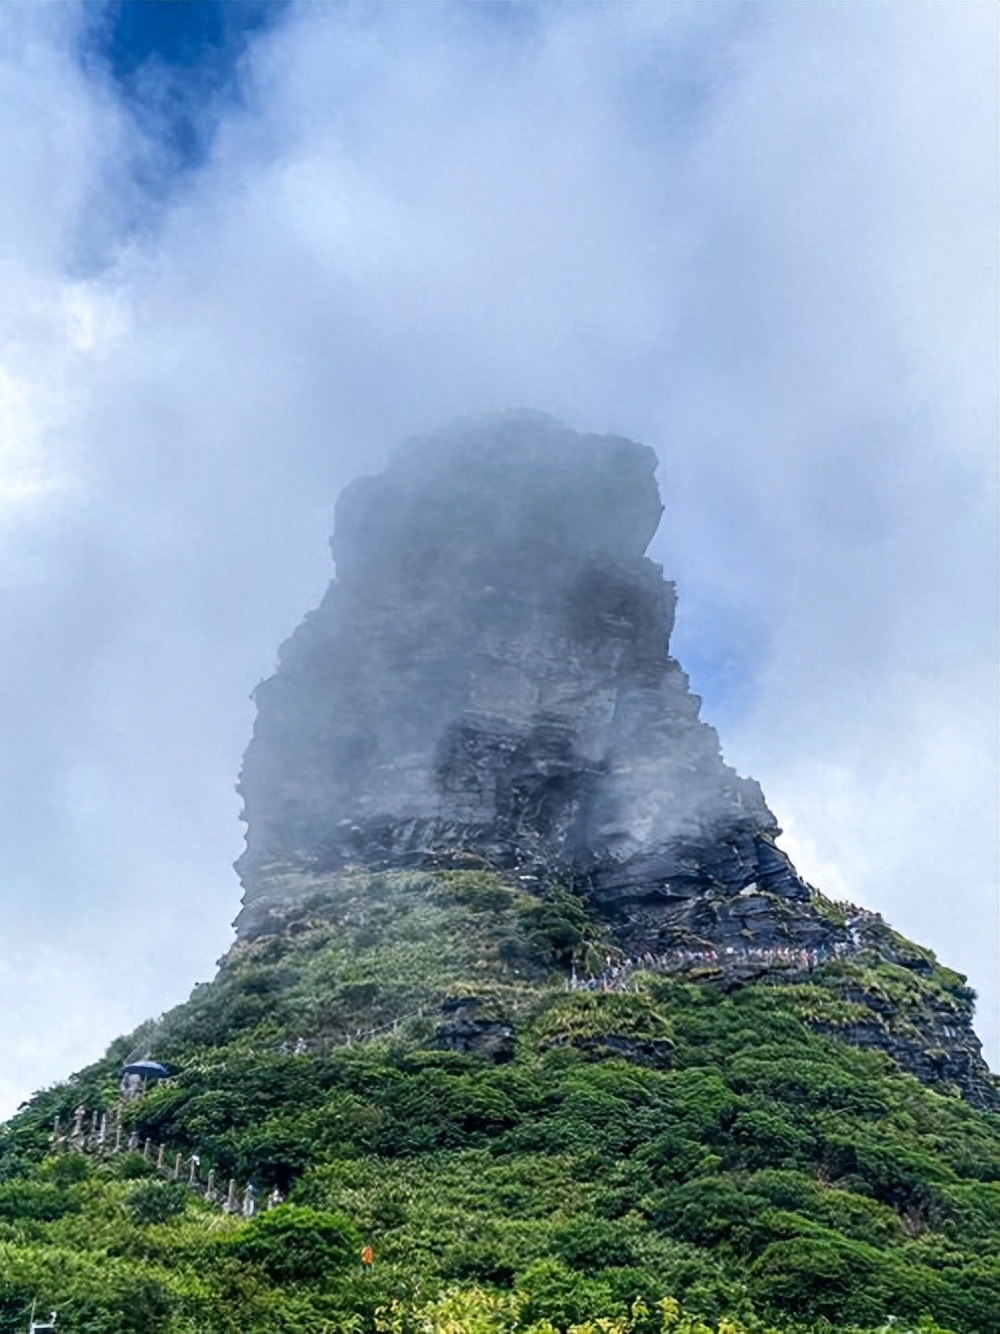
[[488, 678], [487, 683], [525, 996]]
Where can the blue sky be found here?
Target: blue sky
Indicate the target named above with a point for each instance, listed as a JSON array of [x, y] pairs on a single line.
[[248, 248], [177, 66]]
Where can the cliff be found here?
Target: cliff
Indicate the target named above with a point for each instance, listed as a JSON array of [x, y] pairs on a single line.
[[488, 682]]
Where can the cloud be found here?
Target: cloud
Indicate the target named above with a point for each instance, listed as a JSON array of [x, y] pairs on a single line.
[[758, 238]]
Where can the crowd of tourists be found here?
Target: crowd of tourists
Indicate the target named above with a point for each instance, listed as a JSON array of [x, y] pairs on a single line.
[[616, 974]]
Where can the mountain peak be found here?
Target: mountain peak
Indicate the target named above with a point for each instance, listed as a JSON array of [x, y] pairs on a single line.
[[488, 681]]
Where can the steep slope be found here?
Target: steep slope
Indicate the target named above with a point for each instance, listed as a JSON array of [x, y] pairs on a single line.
[[487, 682], [404, 1061], [525, 996]]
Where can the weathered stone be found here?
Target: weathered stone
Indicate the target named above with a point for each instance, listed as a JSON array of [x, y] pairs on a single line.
[[488, 678], [463, 1032], [656, 1052]]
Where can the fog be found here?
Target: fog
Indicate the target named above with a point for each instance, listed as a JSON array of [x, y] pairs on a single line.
[[759, 238]]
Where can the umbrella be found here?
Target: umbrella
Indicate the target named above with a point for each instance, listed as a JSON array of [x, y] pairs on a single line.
[[148, 1069]]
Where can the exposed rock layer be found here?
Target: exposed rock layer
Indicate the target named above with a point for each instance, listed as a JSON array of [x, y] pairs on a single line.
[[488, 678]]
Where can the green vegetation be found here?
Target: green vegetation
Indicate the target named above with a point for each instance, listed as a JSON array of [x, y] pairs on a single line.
[[672, 1159]]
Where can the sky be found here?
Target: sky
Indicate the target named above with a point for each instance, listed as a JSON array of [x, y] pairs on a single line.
[[247, 248]]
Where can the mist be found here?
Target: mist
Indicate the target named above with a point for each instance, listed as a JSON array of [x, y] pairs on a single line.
[[759, 238]]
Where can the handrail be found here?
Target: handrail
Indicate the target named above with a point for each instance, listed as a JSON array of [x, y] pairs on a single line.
[[105, 1136]]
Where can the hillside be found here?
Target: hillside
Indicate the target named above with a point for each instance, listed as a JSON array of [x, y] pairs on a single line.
[[575, 1151], [529, 1024]]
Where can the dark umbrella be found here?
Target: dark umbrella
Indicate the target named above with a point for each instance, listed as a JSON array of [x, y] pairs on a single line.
[[148, 1069]]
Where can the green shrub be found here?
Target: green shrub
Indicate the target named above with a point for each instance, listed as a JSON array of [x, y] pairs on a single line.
[[557, 928], [815, 1277], [295, 1243], [550, 1291], [133, 1166], [39, 1200], [591, 1243], [93, 1294], [768, 1139], [673, 1157], [705, 1211], [67, 1169], [156, 1201]]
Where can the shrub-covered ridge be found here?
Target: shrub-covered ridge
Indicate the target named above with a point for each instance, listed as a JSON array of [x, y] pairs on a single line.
[[517, 1154]]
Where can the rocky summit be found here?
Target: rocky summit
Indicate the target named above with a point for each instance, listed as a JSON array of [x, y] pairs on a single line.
[[488, 684], [488, 681]]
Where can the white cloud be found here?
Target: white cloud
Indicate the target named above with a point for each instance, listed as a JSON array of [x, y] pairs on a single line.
[[759, 238]]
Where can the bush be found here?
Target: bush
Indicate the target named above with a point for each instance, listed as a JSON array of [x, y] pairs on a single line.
[[550, 1291], [133, 1166], [815, 1277], [93, 1294], [68, 1169], [556, 928], [673, 1157], [41, 1201], [156, 1201], [295, 1243], [768, 1139], [591, 1243], [705, 1211]]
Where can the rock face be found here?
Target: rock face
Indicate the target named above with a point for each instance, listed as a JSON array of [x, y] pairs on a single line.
[[487, 684], [463, 1031], [488, 680]]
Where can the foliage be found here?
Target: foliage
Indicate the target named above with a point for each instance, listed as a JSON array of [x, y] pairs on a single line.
[[298, 1243], [673, 1159], [156, 1201]]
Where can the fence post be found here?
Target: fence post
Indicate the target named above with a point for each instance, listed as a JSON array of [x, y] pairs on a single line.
[[210, 1186], [177, 1166], [147, 1149], [231, 1205], [193, 1170], [161, 1155]]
